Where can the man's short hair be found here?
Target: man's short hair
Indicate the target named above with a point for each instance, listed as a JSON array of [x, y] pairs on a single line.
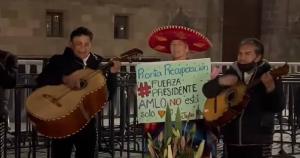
[[259, 47], [81, 31]]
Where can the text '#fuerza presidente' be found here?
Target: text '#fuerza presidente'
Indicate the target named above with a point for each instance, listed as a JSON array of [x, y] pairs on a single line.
[[169, 70]]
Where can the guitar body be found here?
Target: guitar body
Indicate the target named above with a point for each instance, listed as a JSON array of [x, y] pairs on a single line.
[[63, 117], [231, 102], [59, 112], [227, 105]]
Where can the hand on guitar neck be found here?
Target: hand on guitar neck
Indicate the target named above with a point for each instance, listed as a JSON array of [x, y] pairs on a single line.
[[116, 67], [228, 80], [268, 81], [266, 78]]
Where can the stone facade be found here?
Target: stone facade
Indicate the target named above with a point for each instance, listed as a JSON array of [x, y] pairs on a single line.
[[23, 24], [281, 30]]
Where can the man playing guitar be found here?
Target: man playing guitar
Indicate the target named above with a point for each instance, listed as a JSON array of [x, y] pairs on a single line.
[[250, 135], [8, 79], [62, 69]]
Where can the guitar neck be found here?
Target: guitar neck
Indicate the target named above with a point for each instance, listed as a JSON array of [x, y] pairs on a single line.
[[253, 83], [106, 66], [284, 70], [124, 55]]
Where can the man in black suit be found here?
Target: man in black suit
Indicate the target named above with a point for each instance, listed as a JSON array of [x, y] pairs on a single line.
[[62, 69], [8, 79]]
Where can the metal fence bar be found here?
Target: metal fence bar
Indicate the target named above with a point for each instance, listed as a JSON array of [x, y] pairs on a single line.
[[17, 125], [111, 128]]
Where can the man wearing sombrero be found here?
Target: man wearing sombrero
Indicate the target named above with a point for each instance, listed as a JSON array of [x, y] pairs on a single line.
[[178, 41]]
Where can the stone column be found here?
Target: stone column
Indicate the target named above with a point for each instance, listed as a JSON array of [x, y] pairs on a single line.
[[214, 29]]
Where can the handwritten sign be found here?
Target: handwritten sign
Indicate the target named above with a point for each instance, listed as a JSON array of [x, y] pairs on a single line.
[[173, 83]]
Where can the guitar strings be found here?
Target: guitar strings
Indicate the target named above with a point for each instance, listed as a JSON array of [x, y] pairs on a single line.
[[58, 97]]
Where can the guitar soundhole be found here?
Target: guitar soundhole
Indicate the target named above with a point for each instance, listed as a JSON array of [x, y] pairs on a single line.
[[231, 96], [83, 84]]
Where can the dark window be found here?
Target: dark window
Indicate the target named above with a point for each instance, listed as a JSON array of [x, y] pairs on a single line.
[[54, 24], [121, 27]]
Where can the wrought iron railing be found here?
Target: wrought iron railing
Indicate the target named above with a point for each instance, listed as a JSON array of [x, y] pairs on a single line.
[[118, 128]]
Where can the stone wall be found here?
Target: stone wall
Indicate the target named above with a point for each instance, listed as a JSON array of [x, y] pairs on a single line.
[[23, 24], [281, 30]]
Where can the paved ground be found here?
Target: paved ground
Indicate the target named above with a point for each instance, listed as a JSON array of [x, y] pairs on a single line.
[[42, 153]]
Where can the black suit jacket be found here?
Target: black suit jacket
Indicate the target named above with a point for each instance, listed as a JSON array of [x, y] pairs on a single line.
[[8, 79], [8, 69]]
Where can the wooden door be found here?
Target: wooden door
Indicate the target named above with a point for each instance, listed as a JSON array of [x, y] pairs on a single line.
[[241, 19]]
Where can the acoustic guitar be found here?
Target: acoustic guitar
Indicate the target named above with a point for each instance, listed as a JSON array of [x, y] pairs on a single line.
[[231, 102], [58, 111]]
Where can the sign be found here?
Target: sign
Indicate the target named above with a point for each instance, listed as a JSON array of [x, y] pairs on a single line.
[[173, 83]]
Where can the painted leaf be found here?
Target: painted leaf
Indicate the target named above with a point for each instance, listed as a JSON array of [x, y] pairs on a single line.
[[178, 121], [200, 150], [168, 126]]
